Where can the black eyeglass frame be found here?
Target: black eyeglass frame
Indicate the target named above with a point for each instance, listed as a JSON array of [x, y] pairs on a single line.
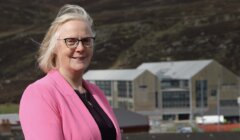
[[78, 40]]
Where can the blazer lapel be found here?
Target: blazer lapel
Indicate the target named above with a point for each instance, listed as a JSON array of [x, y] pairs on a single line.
[[98, 95], [68, 92]]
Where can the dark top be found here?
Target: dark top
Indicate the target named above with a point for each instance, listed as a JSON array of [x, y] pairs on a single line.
[[105, 125]]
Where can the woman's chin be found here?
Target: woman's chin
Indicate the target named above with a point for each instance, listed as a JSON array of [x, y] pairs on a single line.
[[79, 68]]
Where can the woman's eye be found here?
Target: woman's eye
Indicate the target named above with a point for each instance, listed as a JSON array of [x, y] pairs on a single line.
[[86, 40], [72, 40]]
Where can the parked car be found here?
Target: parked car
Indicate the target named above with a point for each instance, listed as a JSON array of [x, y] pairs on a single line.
[[186, 129]]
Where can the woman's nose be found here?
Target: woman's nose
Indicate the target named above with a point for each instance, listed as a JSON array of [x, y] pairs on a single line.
[[80, 46]]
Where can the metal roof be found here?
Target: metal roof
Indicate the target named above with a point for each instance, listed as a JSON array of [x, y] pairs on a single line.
[[175, 69], [124, 75], [128, 118]]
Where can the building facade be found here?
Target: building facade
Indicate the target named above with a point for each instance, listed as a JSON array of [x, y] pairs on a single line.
[[176, 90], [191, 88], [130, 89]]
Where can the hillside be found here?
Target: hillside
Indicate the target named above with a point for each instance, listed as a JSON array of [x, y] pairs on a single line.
[[129, 32]]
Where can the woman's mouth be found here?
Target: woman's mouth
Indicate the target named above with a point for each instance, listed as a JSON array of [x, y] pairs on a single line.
[[80, 58]]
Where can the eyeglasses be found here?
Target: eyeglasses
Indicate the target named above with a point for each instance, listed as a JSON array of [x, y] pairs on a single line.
[[73, 43]]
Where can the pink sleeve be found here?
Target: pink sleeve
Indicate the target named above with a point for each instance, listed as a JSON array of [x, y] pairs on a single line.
[[39, 117]]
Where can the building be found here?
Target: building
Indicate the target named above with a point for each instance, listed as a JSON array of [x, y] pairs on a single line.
[[10, 126], [173, 90], [191, 88], [132, 89], [131, 122]]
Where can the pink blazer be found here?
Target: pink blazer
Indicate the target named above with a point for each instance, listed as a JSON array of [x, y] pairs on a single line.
[[51, 110]]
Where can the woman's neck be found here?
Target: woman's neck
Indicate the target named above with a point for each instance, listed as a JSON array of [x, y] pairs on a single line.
[[74, 79]]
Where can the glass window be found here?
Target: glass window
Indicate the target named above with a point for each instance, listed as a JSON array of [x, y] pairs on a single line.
[[175, 99], [201, 93], [170, 83], [124, 89], [130, 89], [122, 104], [105, 86], [228, 103], [130, 105], [185, 83], [214, 92], [169, 117]]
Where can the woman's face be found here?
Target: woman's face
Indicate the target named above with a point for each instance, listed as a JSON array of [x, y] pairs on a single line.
[[74, 59]]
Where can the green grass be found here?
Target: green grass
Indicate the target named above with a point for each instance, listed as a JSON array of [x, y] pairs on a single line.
[[8, 108], [236, 130]]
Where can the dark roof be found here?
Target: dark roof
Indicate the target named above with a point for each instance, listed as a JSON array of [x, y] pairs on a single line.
[[128, 118]]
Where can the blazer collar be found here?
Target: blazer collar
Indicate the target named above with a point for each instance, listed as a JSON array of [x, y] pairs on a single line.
[[61, 83]]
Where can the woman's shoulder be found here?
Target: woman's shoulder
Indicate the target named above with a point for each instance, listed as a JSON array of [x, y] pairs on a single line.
[[40, 87], [39, 93], [43, 82], [41, 90], [48, 80]]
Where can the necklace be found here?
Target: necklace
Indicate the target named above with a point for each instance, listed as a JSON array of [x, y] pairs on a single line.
[[86, 98]]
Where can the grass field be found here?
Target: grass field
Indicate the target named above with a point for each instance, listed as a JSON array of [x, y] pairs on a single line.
[[8, 108]]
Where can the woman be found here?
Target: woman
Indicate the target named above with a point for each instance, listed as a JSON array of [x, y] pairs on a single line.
[[61, 105]]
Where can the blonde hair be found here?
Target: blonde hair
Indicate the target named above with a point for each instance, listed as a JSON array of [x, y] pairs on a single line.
[[47, 58]]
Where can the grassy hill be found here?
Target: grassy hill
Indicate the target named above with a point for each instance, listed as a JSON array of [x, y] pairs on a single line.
[[129, 32]]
